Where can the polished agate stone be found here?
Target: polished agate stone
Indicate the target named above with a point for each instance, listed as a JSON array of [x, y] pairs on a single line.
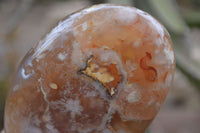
[[104, 69]]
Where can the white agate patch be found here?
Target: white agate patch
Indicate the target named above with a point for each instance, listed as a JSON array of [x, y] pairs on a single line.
[[133, 97]]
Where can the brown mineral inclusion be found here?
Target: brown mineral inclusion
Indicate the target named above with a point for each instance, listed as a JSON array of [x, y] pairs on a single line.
[[104, 69]]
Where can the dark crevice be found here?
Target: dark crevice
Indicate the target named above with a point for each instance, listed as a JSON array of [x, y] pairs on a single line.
[[81, 72]]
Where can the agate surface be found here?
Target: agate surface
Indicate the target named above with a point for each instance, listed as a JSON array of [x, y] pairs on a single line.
[[104, 69]]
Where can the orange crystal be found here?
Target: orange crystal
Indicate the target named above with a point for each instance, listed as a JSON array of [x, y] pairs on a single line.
[[104, 69]]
